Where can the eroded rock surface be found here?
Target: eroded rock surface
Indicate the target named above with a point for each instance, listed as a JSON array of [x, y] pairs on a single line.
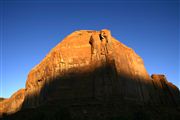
[[95, 67]]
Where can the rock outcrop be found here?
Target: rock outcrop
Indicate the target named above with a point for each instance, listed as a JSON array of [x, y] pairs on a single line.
[[93, 66], [166, 93], [12, 104]]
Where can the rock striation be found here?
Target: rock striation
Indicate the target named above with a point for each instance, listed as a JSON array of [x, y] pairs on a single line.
[[93, 66]]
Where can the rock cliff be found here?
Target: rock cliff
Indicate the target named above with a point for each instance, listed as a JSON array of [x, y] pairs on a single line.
[[95, 67], [77, 67]]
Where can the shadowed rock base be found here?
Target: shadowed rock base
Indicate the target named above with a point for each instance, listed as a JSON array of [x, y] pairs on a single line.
[[96, 110]]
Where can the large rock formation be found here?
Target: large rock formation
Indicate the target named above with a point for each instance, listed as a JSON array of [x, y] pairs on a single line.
[[76, 68], [93, 66]]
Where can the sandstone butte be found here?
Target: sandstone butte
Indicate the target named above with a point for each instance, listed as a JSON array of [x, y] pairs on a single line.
[[91, 65]]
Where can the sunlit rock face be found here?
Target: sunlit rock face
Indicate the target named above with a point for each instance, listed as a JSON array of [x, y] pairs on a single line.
[[91, 74], [12, 104], [94, 65]]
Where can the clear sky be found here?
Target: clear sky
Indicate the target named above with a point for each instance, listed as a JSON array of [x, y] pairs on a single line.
[[29, 29]]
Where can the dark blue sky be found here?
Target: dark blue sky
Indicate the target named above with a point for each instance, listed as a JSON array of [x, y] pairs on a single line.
[[29, 29]]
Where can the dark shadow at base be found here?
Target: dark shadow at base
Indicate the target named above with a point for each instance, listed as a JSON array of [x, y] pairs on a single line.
[[96, 112], [96, 94]]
